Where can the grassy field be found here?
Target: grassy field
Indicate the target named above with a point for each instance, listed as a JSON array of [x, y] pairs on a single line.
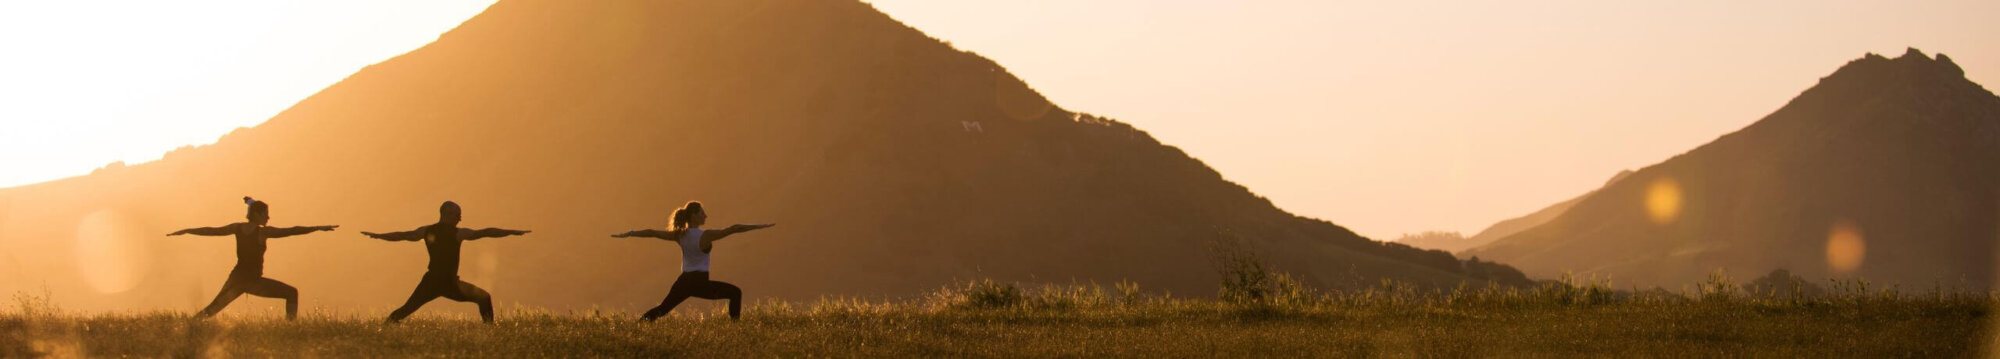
[[985, 319]]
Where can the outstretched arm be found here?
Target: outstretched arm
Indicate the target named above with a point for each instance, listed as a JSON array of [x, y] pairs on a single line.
[[224, 230], [274, 232], [647, 233], [465, 234], [409, 235], [717, 235]]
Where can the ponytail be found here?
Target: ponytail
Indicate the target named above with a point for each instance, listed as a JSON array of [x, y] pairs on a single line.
[[682, 218]]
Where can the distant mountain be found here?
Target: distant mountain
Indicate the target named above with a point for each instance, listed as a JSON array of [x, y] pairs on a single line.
[[1885, 170], [1438, 240], [1517, 224], [893, 164]]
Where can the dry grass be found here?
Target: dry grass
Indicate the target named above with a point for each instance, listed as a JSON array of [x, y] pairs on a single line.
[[986, 318]]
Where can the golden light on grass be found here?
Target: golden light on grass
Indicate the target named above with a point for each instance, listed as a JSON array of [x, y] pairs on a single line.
[[110, 252], [1845, 247], [58, 348], [1663, 200]]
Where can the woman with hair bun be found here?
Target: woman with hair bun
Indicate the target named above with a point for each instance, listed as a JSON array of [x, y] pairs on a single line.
[[248, 276], [685, 229]]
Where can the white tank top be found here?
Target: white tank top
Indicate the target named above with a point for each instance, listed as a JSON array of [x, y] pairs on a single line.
[[692, 258]]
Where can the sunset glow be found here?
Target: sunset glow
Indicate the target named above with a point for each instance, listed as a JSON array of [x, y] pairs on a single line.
[[87, 83], [987, 178], [1389, 118]]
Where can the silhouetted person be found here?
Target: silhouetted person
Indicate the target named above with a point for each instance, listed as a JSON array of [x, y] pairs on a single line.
[[248, 276], [442, 240], [695, 247]]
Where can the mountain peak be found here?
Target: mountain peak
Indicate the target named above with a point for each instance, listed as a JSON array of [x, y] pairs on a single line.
[[1912, 75], [927, 163], [1949, 66], [1911, 65], [1904, 146], [1912, 51], [1942, 65]]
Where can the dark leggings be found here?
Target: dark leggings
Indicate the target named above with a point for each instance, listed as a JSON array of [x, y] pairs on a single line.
[[253, 283], [697, 285], [449, 287]]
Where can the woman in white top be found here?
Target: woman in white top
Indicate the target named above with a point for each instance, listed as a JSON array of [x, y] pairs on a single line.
[[695, 247]]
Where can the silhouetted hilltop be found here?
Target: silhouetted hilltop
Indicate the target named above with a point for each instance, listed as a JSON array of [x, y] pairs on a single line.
[[1884, 170], [892, 162]]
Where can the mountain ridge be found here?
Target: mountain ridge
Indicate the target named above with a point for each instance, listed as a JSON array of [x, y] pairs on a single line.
[[893, 163], [1894, 153]]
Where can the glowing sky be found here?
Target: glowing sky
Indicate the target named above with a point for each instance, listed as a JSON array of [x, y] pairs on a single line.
[[86, 83], [1386, 117]]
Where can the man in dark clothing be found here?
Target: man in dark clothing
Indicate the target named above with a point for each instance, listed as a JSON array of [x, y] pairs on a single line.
[[442, 240], [248, 276]]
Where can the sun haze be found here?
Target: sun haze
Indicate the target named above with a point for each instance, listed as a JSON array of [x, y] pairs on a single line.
[[556, 178], [87, 83], [1388, 118]]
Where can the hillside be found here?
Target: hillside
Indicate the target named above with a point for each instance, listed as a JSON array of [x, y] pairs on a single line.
[[1885, 170], [1514, 225], [893, 163]]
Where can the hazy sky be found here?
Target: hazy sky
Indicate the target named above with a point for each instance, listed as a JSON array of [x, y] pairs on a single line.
[[1386, 117]]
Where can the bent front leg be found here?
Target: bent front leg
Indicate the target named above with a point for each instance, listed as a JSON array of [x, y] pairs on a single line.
[[466, 292], [272, 288]]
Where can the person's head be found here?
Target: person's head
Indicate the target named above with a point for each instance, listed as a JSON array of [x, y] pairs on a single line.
[[448, 213], [690, 215], [259, 213]]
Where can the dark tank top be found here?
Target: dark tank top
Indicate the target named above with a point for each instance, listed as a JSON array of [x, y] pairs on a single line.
[[442, 242], [249, 249]]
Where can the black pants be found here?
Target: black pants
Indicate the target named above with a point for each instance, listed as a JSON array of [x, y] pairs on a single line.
[[697, 285], [449, 287], [244, 281]]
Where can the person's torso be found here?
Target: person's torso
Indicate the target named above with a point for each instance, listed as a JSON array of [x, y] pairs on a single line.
[[249, 247], [442, 243], [692, 258]]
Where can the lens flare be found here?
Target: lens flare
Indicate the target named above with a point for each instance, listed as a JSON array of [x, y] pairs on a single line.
[[1845, 247], [1663, 200], [110, 252], [488, 265]]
